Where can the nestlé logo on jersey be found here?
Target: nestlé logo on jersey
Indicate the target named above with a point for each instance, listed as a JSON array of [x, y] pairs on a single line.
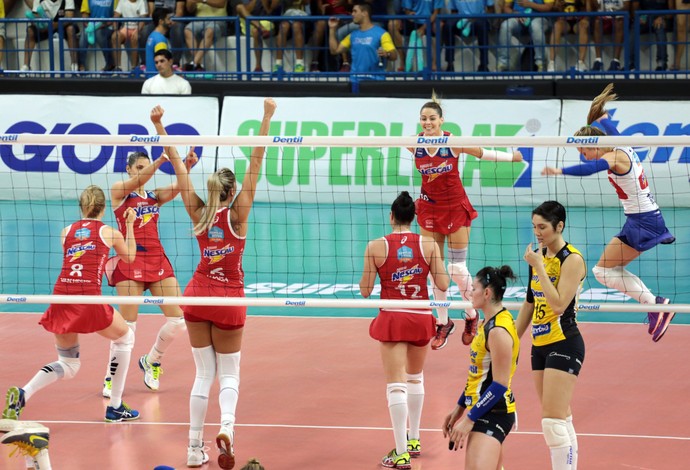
[[405, 274], [145, 213], [77, 251], [217, 254]]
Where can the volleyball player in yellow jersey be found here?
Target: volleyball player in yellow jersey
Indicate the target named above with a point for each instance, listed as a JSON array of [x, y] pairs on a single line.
[[487, 395], [556, 272]]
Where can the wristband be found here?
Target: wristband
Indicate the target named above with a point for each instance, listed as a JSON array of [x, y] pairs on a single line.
[[586, 169], [461, 401], [496, 156], [489, 398]]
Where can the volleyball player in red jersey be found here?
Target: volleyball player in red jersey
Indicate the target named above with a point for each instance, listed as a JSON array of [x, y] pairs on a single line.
[[86, 244], [444, 211], [403, 261], [151, 270], [215, 333]]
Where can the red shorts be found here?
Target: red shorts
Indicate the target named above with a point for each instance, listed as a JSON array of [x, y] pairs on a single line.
[[414, 328], [223, 317], [444, 219], [77, 318], [146, 269]]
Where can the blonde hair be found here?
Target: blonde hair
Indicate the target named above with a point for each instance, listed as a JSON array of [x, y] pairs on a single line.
[[253, 464], [596, 110], [221, 186], [92, 201], [434, 104]]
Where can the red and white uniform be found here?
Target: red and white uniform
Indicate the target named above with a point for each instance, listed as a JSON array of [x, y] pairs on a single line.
[[151, 263], [632, 187], [404, 277], [84, 257], [443, 205], [219, 274]]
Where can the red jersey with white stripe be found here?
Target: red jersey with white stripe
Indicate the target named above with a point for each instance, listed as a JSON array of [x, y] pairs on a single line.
[[221, 252], [404, 273], [146, 224], [84, 256], [440, 173], [632, 187]]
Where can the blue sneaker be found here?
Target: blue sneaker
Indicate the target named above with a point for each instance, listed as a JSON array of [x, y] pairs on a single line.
[[598, 65], [123, 413], [663, 320], [14, 403], [654, 317]]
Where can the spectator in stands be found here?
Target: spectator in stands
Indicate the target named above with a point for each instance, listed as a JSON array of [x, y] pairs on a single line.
[[38, 31], [157, 40], [2, 33], [200, 35], [655, 25], [258, 29], [326, 8], [369, 45], [537, 28], [607, 25], [466, 27], [576, 24], [421, 11], [97, 31], [291, 9], [128, 32], [175, 32], [166, 82], [395, 28], [681, 34]]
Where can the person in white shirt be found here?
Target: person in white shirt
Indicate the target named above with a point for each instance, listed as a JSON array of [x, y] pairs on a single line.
[[166, 82]]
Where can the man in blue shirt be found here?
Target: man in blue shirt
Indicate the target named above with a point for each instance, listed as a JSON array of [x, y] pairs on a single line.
[[466, 27], [369, 45], [162, 18]]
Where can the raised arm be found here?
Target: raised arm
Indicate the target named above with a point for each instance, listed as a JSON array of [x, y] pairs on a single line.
[[121, 189], [125, 247], [192, 202], [243, 203]]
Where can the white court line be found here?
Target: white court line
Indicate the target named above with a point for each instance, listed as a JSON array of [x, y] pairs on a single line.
[[354, 428]]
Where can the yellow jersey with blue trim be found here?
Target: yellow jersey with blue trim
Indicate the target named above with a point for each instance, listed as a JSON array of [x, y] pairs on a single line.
[[547, 326], [480, 374]]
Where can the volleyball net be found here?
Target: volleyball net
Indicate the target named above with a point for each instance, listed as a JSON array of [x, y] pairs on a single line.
[[322, 198]]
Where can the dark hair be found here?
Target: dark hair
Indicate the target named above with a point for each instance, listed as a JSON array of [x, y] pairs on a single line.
[[253, 464], [403, 208], [364, 6], [165, 53], [134, 156], [159, 14], [553, 211], [495, 278]]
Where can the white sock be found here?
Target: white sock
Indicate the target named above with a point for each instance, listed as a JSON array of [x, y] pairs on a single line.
[[557, 438], [172, 327], [439, 296], [205, 363], [561, 458], [624, 281], [573, 440], [41, 380], [397, 407], [120, 352], [132, 326], [461, 276], [415, 402], [229, 378]]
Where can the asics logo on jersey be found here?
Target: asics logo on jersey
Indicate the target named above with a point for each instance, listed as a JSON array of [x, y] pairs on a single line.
[[405, 274], [77, 251], [217, 254], [145, 213], [436, 171]]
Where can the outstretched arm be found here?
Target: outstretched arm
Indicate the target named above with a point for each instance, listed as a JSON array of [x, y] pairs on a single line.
[[490, 155], [243, 203], [121, 189]]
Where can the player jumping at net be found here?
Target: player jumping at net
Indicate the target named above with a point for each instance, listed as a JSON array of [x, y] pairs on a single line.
[[556, 273], [444, 212], [403, 261], [86, 244], [644, 227], [215, 333], [151, 270], [487, 396]]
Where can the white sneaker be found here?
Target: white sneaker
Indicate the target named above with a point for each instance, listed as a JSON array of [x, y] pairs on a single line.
[[107, 387], [551, 67], [24, 69], [152, 372], [581, 66], [196, 456], [224, 441]]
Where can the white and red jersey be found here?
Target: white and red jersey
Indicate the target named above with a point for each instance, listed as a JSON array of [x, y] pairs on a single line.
[[440, 173], [146, 234], [633, 187], [84, 256], [221, 252], [404, 273]]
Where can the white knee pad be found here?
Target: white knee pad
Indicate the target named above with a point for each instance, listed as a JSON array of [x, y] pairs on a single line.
[[415, 384], [205, 362], [68, 363], [229, 370], [555, 432], [396, 394], [173, 327], [124, 343], [458, 270], [606, 274], [132, 325], [70, 366]]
